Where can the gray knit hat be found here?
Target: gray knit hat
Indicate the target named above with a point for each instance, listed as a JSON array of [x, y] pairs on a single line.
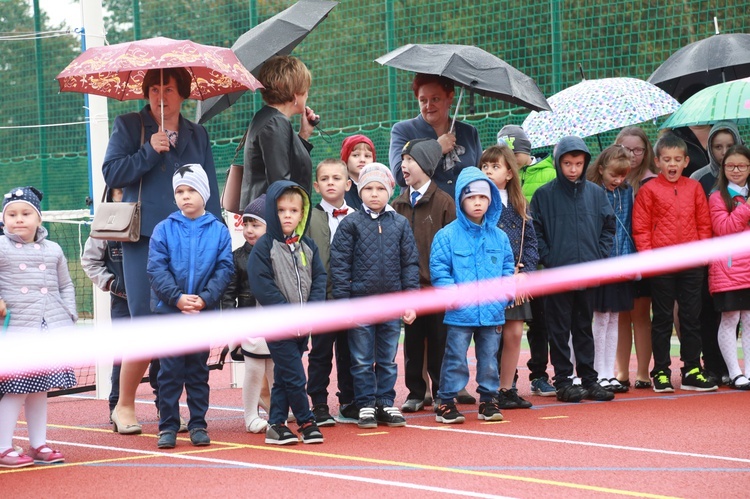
[[515, 138], [426, 152], [194, 176]]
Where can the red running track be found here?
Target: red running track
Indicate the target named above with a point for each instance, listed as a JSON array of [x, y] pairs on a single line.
[[643, 444]]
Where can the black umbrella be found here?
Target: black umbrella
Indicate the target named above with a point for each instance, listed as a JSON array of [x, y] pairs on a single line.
[[277, 35], [471, 68], [706, 62]]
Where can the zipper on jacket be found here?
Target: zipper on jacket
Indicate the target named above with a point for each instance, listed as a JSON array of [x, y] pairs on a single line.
[[299, 279], [191, 273]]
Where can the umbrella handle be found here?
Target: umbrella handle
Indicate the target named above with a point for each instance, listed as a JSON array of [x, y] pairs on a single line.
[[455, 114], [161, 98]]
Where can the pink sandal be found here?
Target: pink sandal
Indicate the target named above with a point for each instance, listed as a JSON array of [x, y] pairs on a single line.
[[52, 457], [19, 461]]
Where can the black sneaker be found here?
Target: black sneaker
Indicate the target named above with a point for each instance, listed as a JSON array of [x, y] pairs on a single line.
[[310, 433], [448, 414], [367, 418], [322, 416], [279, 434], [348, 413], [464, 397], [199, 437], [509, 399], [489, 411], [697, 381], [167, 440], [571, 393], [389, 416], [597, 392], [662, 383]]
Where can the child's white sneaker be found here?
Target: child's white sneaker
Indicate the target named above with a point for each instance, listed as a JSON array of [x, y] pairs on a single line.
[[257, 425]]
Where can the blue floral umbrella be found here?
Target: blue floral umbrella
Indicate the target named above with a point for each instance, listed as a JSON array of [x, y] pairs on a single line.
[[596, 106]]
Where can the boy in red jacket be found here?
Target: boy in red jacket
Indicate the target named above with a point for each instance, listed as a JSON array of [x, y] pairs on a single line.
[[671, 210]]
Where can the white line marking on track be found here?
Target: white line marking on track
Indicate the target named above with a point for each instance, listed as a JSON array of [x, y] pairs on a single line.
[[585, 444], [391, 483]]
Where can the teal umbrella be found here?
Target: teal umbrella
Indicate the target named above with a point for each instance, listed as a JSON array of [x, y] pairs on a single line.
[[725, 101]]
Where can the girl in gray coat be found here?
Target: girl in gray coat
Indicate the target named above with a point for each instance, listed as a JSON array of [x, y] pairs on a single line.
[[36, 295]]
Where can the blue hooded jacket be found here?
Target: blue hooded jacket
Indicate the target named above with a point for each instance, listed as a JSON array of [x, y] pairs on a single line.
[[574, 221], [189, 256], [463, 251]]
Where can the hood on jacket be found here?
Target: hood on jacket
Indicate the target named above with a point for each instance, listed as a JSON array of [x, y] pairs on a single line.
[[492, 217], [273, 224], [721, 126], [571, 144]]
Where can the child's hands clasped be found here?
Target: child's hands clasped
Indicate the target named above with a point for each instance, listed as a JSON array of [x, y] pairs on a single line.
[[409, 316], [190, 304]]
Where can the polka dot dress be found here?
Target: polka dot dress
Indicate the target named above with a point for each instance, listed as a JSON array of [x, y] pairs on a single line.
[[42, 380]]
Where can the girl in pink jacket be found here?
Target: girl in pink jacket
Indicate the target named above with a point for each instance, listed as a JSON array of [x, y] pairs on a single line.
[[729, 278]]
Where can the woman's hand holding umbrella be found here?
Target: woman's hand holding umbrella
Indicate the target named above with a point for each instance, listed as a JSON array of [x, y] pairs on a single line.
[[447, 141], [159, 141], [307, 123]]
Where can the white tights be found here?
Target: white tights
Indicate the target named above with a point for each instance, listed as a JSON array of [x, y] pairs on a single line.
[[728, 341], [605, 343], [35, 410], [256, 390]]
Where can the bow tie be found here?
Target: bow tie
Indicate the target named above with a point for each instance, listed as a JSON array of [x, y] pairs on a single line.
[[292, 239], [340, 213]]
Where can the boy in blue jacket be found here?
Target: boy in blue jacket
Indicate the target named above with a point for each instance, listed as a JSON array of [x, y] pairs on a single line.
[[469, 249], [284, 268], [374, 252], [189, 267], [574, 223]]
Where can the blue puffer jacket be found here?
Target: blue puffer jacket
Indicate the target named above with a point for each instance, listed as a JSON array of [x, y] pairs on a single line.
[[189, 256], [463, 251], [373, 256], [621, 200]]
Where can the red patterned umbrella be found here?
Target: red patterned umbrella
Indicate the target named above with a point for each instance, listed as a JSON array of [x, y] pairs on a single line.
[[117, 71]]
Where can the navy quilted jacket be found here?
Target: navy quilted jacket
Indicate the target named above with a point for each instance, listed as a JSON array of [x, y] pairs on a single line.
[[373, 256], [512, 224]]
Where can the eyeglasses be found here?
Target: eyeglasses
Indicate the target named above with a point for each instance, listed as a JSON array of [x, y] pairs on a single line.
[[740, 167], [638, 151], [493, 166]]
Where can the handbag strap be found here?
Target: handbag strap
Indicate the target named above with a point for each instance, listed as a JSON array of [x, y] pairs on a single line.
[[140, 186], [241, 145], [520, 250]]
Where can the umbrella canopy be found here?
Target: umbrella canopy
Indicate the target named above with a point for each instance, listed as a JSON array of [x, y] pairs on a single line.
[[595, 106], [278, 35], [471, 68], [725, 101], [117, 71], [712, 60]]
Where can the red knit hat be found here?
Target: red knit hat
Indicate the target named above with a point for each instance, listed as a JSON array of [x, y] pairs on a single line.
[[348, 146]]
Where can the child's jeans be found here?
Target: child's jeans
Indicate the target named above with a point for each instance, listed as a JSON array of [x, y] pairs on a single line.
[[685, 288], [289, 381], [454, 374], [189, 371], [373, 348]]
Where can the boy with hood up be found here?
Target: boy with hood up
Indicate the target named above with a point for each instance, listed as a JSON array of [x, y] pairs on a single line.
[[284, 267], [574, 223], [722, 136]]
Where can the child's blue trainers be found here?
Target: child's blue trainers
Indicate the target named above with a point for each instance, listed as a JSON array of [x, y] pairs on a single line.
[[542, 387]]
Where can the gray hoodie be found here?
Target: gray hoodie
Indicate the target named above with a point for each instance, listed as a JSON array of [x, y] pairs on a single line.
[[708, 174]]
